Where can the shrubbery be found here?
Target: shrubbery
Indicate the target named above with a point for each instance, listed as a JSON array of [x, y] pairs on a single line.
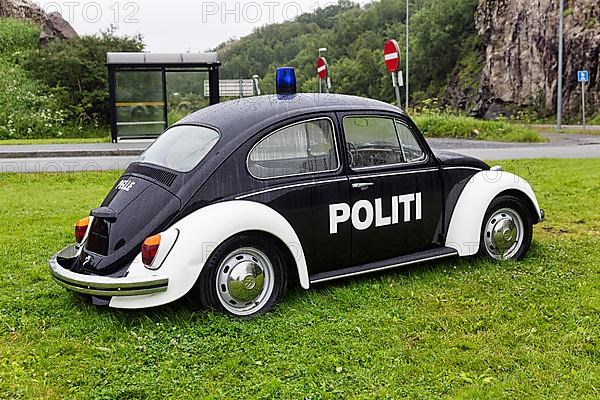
[[28, 108], [79, 66], [58, 91]]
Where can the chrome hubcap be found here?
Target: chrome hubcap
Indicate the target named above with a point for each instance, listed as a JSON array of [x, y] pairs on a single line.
[[245, 281], [504, 234]]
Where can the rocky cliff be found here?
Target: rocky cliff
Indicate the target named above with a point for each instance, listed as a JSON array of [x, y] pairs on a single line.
[[53, 25], [520, 45]]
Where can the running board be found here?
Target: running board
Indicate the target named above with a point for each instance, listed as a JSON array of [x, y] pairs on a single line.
[[428, 255]]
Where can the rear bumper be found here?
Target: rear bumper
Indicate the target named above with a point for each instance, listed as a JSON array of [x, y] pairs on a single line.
[[101, 285]]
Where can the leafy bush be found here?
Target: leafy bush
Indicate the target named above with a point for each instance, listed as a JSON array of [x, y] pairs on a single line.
[[58, 91], [452, 126], [78, 66], [29, 109]]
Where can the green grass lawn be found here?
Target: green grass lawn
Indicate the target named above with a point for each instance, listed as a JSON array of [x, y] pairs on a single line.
[[455, 329]]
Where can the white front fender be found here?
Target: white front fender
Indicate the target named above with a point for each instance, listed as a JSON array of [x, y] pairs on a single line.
[[464, 232], [200, 234]]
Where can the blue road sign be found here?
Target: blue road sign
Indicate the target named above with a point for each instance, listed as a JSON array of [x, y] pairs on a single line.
[[583, 76]]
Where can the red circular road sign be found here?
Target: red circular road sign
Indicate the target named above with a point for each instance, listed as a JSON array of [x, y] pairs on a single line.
[[322, 68], [391, 53]]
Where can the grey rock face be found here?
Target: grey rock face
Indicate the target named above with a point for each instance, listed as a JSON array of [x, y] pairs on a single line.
[[56, 27], [22, 9], [520, 39]]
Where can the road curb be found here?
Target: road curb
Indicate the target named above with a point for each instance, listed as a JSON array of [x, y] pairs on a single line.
[[69, 154]]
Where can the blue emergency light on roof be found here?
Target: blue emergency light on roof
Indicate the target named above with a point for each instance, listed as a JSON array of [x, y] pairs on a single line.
[[286, 81]]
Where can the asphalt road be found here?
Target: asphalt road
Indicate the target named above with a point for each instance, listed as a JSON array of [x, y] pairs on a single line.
[[108, 156], [559, 146]]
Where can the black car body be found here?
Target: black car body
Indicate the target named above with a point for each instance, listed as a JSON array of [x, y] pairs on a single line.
[[312, 187]]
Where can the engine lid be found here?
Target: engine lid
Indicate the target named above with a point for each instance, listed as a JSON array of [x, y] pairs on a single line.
[[135, 209]]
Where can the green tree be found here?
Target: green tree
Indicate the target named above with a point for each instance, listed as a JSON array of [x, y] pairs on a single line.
[[78, 65], [442, 36], [440, 31]]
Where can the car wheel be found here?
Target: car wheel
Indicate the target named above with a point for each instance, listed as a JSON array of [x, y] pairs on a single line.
[[244, 277], [507, 230]]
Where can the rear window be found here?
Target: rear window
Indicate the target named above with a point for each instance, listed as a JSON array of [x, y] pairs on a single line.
[[181, 148], [304, 148]]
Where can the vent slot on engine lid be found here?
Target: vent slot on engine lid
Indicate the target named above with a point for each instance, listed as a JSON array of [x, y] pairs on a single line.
[[164, 177], [98, 238]]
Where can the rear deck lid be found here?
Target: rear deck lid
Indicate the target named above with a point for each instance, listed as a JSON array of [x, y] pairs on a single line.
[[134, 209]]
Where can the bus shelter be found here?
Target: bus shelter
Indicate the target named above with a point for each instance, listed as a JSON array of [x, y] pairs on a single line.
[[148, 92]]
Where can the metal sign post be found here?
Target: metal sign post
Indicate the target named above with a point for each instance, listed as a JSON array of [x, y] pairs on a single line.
[[323, 74], [560, 67], [407, 50], [396, 87], [583, 102], [391, 55], [256, 79], [583, 77]]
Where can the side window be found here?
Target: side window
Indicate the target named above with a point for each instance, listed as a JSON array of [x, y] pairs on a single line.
[[372, 142], [411, 149], [303, 148]]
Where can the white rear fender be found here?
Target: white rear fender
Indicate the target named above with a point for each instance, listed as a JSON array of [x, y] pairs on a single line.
[[464, 233], [200, 234]]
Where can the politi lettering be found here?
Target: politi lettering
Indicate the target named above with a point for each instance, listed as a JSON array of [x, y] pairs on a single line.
[[365, 214]]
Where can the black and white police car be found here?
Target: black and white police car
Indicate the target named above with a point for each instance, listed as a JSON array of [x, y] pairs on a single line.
[[237, 200]]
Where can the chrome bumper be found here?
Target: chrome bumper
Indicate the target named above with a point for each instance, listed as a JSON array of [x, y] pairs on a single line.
[[101, 285]]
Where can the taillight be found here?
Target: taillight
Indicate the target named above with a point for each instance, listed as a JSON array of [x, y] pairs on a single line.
[[81, 228], [149, 249]]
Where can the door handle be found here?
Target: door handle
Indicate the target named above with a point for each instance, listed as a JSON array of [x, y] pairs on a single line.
[[362, 185]]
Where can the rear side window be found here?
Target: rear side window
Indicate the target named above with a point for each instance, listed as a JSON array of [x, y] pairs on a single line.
[[303, 148], [181, 148]]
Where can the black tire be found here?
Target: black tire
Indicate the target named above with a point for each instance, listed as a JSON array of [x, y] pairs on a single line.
[[496, 232], [217, 290]]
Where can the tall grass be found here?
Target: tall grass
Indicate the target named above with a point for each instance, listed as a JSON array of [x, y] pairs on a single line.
[[441, 125], [17, 37]]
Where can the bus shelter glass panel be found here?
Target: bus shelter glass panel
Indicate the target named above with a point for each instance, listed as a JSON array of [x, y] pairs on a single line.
[[140, 103], [186, 93]]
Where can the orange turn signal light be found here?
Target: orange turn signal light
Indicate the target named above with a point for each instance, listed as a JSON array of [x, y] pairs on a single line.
[[150, 249], [81, 228]]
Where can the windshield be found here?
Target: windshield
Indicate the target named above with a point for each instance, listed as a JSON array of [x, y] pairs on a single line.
[[181, 148]]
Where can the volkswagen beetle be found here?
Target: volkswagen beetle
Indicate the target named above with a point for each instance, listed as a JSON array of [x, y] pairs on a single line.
[[236, 201]]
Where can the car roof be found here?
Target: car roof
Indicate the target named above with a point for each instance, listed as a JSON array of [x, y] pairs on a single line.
[[248, 115]]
